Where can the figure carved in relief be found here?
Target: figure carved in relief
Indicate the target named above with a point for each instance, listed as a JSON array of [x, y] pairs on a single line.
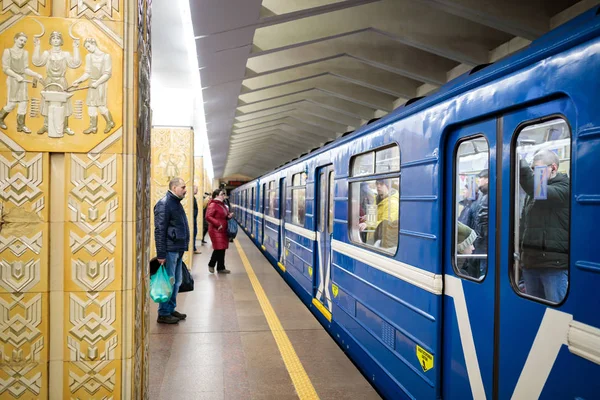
[[98, 69], [56, 98], [15, 64]]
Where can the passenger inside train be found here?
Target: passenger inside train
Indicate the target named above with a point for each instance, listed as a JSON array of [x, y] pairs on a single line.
[[543, 235], [379, 224]]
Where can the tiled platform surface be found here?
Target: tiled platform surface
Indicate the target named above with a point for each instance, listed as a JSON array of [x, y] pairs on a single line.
[[225, 350]]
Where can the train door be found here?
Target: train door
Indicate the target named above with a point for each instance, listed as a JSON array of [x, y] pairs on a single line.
[[263, 211], [252, 211], [549, 312], [282, 210], [322, 275], [469, 263]]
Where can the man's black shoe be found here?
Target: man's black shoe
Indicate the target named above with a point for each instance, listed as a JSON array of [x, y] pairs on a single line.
[[223, 271], [167, 319], [178, 315], [204, 242]]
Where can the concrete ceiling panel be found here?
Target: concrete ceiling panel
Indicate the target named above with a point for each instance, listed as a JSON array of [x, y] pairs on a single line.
[[417, 24], [527, 19], [308, 107], [346, 67], [225, 66], [214, 16], [292, 121], [368, 46], [331, 84], [316, 96], [306, 117], [208, 45], [283, 129], [291, 134], [279, 7]]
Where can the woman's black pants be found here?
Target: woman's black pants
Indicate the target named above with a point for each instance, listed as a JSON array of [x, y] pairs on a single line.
[[217, 258]]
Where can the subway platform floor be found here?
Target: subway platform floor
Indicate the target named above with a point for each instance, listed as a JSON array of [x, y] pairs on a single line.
[[247, 341]]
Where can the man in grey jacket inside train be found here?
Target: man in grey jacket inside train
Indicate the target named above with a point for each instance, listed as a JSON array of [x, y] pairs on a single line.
[[544, 229]]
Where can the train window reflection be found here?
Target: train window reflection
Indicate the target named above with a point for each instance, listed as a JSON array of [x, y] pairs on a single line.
[[471, 225], [542, 210]]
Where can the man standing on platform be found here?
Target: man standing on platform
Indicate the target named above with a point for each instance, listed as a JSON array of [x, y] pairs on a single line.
[[172, 237]]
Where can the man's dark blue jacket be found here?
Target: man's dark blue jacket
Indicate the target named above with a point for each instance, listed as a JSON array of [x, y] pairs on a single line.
[[171, 230]]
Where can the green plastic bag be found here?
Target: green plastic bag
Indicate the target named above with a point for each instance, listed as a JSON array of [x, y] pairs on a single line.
[[161, 286]]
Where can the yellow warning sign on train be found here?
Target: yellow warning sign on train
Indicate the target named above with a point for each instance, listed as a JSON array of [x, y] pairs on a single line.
[[334, 289], [425, 358]]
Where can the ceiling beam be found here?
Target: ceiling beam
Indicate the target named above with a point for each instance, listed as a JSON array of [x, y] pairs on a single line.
[[316, 96], [334, 85]]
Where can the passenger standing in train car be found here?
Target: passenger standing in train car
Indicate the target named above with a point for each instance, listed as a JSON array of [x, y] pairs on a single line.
[[172, 238], [466, 215], [217, 215], [195, 219], [545, 230], [479, 213]]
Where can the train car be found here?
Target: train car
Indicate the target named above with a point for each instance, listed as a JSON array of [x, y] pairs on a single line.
[[449, 248]]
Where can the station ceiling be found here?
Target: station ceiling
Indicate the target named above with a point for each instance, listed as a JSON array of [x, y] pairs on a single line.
[[281, 77]]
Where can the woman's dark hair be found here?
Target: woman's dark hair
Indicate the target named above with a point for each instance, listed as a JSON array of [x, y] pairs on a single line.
[[216, 192]]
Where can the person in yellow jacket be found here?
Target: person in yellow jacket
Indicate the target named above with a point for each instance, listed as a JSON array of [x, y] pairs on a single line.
[[386, 226]]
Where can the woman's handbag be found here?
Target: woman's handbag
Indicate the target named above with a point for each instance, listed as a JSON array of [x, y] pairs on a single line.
[[161, 286], [232, 228], [187, 282]]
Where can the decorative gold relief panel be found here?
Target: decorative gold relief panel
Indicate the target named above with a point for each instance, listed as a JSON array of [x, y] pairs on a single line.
[[93, 326], [24, 257], [23, 186], [24, 381], [92, 380], [23, 328], [100, 9], [72, 87], [17, 9]]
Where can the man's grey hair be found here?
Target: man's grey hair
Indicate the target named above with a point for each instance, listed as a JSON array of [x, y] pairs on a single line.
[[547, 157], [175, 182]]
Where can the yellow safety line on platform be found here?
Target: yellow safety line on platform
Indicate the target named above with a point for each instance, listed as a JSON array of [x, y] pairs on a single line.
[[302, 383]]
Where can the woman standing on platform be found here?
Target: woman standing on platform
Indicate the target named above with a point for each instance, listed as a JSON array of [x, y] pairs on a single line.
[[217, 216]]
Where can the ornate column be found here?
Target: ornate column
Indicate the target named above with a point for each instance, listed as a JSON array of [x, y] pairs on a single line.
[[172, 156], [74, 198]]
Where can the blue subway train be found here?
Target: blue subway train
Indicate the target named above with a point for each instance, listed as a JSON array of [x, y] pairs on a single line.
[[450, 247]]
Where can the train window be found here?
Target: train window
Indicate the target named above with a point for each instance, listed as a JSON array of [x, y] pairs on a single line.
[[387, 160], [471, 224], [272, 199], [542, 190], [298, 198], [375, 212], [374, 199], [322, 202], [331, 193], [363, 164]]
